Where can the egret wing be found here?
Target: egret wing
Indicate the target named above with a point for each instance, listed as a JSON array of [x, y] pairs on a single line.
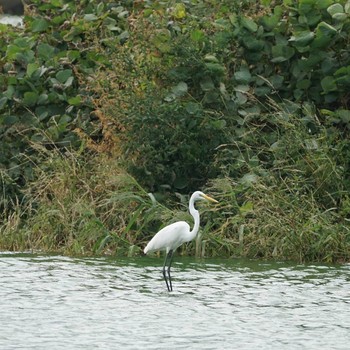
[[169, 237]]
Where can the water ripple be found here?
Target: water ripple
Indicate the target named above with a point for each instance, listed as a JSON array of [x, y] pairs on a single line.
[[103, 303]]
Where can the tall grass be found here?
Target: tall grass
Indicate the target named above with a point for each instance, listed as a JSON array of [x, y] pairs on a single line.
[[81, 205], [296, 208]]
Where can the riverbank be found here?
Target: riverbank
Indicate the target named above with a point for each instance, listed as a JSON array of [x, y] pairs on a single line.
[[102, 105]]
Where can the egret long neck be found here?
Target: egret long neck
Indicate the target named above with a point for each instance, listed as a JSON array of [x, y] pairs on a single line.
[[195, 214]]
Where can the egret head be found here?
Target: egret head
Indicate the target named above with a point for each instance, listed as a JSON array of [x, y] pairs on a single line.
[[198, 195]]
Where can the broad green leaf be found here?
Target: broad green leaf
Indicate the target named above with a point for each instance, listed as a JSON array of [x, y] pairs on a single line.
[[241, 98], [324, 35], [302, 38], [340, 17], [303, 84], [344, 115], [45, 51], [43, 98], [343, 76], [39, 25], [269, 22], [253, 44], [9, 92], [100, 8], [197, 35], [211, 97], [73, 55], [69, 81], [222, 23], [109, 21], [282, 53], [12, 51], [328, 65], [10, 119], [25, 57], [262, 90], [207, 84], [347, 7], [218, 124], [306, 6], [124, 36], [323, 4], [41, 112], [215, 68], [25, 43], [30, 98], [180, 89], [233, 19], [65, 119], [90, 17], [334, 9], [311, 19], [328, 84], [3, 101], [276, 81], [243, 75], [31, 68], [63, 75], [192, 107], [249, 24], [74, 101], [211, 58]]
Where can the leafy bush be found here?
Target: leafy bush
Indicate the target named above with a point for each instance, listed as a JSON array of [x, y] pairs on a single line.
[[297, 51], [224, 67], [173, 145], [44, 79]]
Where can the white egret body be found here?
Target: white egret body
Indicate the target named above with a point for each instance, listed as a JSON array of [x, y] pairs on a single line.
[[172, 236]]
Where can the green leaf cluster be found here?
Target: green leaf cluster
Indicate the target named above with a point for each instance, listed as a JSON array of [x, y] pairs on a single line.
[[44, 79], [232, 64]]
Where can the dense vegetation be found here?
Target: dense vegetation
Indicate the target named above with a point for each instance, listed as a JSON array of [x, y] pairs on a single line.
[[110, 110]]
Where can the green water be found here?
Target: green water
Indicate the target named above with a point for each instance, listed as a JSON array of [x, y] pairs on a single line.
[[54, 302]]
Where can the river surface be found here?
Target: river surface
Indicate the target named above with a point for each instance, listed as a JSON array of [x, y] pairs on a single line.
[[55, 302]]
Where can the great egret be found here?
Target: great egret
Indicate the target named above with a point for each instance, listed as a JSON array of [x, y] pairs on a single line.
[[172, 236]]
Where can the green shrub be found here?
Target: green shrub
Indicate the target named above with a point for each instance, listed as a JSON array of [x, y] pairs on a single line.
[[44, 80], [221, 69]]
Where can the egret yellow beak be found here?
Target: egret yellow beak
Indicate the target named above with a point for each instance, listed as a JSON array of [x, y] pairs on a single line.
[[209, 198]]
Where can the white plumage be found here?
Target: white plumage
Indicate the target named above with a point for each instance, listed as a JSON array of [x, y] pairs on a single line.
[[169, 237], [172, 236]]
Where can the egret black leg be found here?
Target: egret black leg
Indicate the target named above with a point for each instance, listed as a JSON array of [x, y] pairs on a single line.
[[168, 258], [170, 254], [164, 272]]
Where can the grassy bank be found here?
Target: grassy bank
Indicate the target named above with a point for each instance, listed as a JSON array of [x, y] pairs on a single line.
[[112, 114], [88, 204]]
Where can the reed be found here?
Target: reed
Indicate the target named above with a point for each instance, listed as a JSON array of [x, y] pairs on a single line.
[[80, 205]]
